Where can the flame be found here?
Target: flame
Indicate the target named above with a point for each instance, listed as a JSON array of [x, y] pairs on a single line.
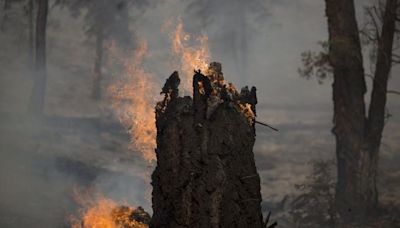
[[246, 109], [139, 88], [192, 53], [134, 96], [100, 212]]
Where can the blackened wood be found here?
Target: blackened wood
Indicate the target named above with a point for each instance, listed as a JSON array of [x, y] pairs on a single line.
[[205, 174]]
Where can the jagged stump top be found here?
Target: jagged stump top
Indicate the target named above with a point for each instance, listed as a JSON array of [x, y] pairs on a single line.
[[205, 174]]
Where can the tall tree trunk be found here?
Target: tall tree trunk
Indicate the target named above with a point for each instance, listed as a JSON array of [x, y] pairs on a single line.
[[39, 87], [357, 138], [30, 33], [376, 113], [349, 108], [6, 7], [97, 77]]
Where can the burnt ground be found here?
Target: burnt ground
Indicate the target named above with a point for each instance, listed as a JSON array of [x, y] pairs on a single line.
[[40, 164], [39, 170], [283, 159]]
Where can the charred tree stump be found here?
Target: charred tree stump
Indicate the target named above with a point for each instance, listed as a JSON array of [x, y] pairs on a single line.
[[205, 174]]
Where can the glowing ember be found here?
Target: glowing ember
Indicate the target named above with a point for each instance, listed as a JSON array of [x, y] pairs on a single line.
[[248, 112], [193, 53]]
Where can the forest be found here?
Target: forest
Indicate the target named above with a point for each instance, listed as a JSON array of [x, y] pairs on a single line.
[[199, 113]]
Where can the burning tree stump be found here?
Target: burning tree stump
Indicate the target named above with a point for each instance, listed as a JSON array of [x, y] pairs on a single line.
[[205, 174]]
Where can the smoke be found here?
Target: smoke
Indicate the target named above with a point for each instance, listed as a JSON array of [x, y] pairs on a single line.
[[80, 144], [232, 25], [258, 42]]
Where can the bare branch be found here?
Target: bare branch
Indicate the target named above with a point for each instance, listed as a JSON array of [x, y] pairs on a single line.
[[395, 58], [370, 13], [393, 92], [376, 26], [379, 13]]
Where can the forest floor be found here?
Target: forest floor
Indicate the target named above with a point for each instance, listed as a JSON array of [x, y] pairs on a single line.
[[41, 164]]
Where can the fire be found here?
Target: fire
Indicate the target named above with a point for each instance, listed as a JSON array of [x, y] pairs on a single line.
[[134, 97], [136, 93], [248, 112], [100, 212], [192, 53]]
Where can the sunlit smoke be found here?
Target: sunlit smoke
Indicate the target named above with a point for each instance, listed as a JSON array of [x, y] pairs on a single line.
[[134, 97], [191, 53], [136, 92]]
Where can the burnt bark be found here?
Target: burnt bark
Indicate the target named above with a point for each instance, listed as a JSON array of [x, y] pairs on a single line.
[[39, 86], [357, 135], [205, 174]]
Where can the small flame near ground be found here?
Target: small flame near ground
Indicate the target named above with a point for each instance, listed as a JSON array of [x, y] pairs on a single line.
[[99, 212]]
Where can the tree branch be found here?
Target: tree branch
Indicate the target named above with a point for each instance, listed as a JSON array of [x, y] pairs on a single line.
[[376, 27], [393, 92], [376, 114]]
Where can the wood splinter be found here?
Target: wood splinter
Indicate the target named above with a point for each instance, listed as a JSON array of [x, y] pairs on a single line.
[[264, 124]]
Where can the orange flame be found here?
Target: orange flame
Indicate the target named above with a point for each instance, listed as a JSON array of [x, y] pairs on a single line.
[[100, 212], [139, 87], [134, 96], [191, 57]]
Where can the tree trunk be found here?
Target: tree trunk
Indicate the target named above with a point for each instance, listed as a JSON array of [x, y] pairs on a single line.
[[96, 90], [357, 138], [30, 34], [6, 7], [376, 113], [39, 87], [205, 174]]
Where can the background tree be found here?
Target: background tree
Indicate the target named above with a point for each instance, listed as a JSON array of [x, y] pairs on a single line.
[[29, 12], [39, 86], [6, 7], [105, 21], [358, 133], [27, 20]]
